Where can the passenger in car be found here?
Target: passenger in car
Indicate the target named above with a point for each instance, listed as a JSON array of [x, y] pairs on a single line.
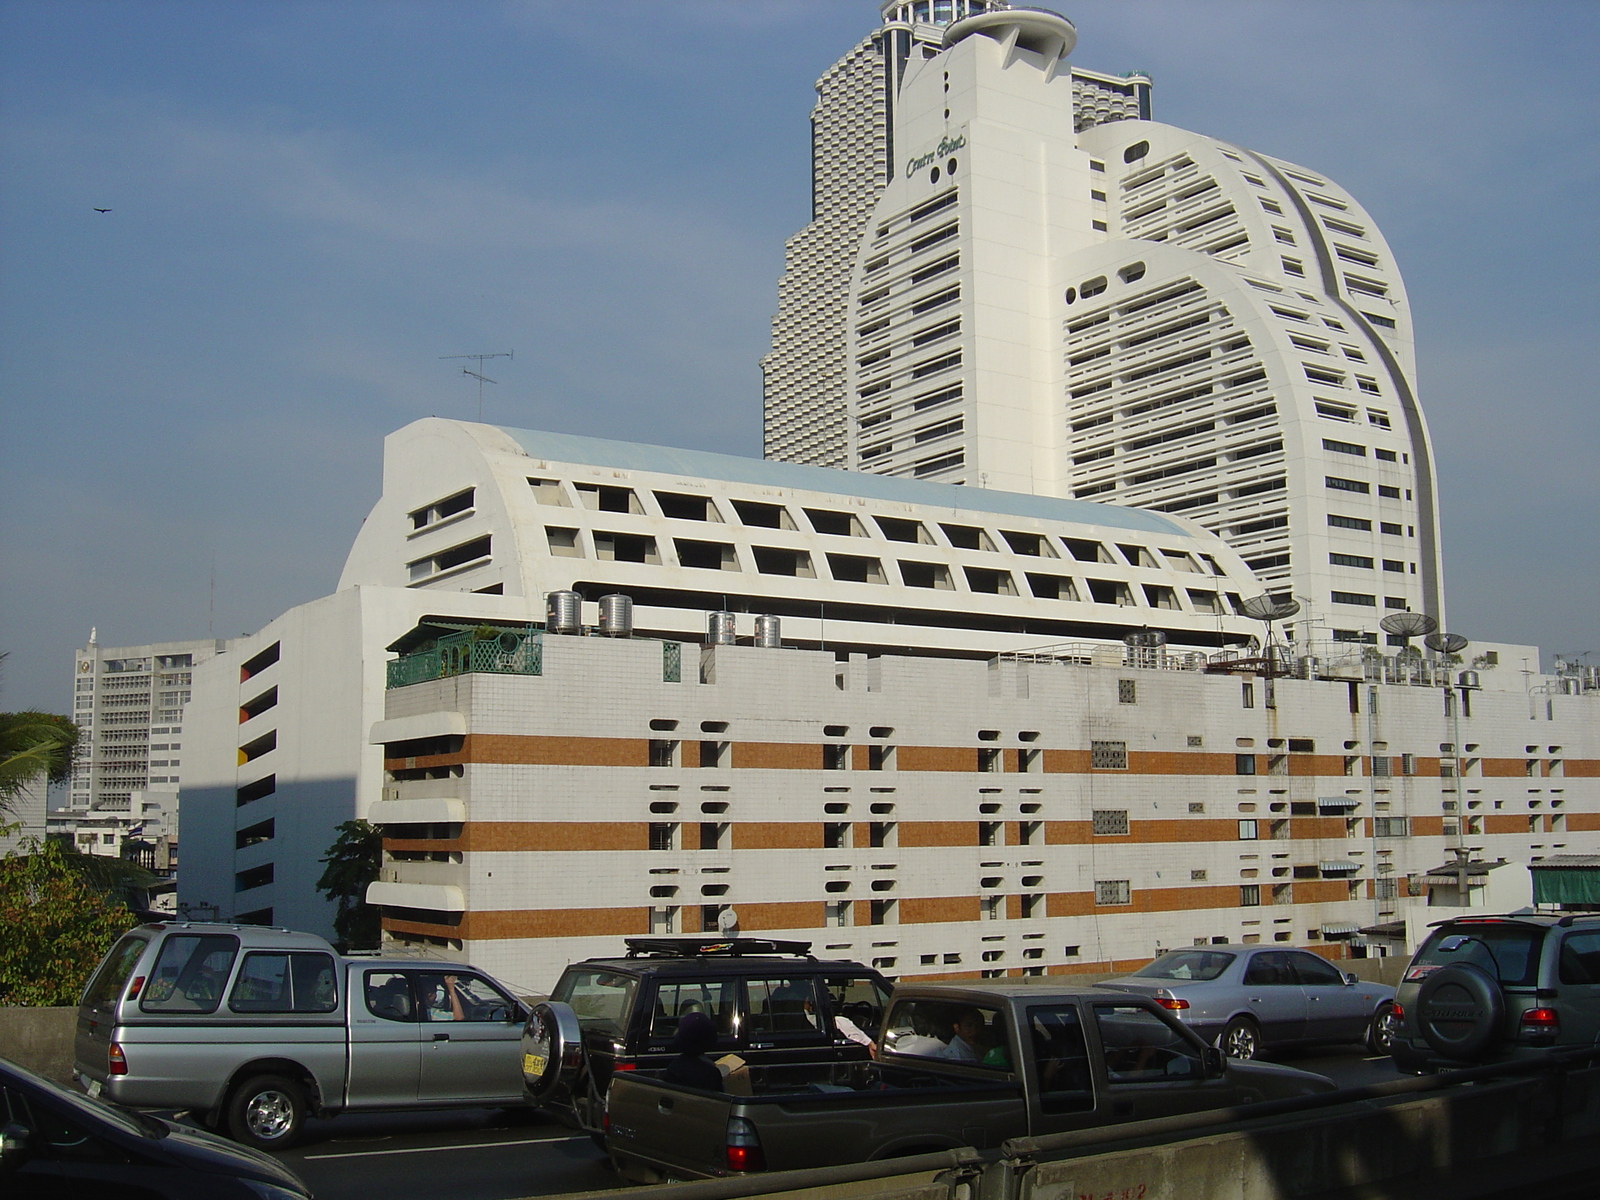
[[696, 1034]]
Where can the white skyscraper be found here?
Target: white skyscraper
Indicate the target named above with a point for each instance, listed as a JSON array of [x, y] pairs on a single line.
[[128, 703], [1045, 299]]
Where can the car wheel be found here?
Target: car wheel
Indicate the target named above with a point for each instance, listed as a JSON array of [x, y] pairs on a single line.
[[1460, 1012], [267, 1112], [1380, 1031], [1240, 1039]]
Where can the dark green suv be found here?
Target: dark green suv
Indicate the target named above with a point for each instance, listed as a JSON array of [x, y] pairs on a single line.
[[1494, 988], [770, 1001]]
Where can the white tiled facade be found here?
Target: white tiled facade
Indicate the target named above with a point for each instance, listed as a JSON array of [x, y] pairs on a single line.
[[1034, 814], [1133, 312]]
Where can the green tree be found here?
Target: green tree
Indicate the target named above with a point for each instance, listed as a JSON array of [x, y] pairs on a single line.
[[54, 926], [353, 862]]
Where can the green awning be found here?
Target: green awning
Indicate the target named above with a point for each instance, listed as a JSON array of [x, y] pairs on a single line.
[[1560, 880]]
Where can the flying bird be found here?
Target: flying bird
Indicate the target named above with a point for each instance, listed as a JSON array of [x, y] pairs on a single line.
[[102, 210]]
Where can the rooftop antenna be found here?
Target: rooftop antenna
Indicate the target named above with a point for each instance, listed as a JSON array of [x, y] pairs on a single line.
[[478, 374], [1267, 609]]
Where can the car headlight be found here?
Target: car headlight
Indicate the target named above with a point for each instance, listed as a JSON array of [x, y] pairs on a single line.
[[272, 1191]]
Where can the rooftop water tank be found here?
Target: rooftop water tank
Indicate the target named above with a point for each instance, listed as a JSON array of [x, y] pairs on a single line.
[[616, 615], [769, 632], [563, 612], [720, 629]]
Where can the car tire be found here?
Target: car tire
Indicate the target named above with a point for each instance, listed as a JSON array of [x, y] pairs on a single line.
[[1380, 1031], [1240, 1038], [267, 1112], [1461, 1013]]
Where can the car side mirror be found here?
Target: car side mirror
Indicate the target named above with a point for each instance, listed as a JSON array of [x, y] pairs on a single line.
[[16, 1141], [1350, 978], [1215, 1064]]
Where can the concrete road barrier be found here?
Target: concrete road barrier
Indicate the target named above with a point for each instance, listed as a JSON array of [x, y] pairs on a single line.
[[39, 1039]]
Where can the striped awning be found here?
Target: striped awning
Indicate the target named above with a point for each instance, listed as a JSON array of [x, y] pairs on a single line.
[[1339, 928], [1338, 803], [1341, 867]]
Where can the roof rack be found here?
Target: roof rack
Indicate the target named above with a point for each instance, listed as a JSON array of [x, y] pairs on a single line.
[[703, 947]]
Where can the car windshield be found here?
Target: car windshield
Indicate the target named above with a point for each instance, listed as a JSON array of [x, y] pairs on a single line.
[[1186, 965], [1508, 952], [78, 1105], [599, 998]]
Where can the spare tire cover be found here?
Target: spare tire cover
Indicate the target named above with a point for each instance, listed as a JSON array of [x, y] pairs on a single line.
[[1461, 1012], [552, 1049]]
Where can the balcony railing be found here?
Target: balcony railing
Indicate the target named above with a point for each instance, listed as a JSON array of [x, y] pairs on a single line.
[[482, 650]]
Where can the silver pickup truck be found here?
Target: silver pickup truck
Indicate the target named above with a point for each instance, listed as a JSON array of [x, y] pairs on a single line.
[[956, 1066], [251, 1029]]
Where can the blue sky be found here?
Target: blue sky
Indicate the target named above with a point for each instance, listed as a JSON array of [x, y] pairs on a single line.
[[313, 201]]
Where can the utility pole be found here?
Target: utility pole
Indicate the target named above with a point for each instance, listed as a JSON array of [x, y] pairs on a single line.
[[478, 374]]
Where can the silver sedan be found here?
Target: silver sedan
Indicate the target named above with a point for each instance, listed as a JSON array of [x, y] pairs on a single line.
[[1250, 998]]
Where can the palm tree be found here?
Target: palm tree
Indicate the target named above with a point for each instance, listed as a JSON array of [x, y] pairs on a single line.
[[33, 746]]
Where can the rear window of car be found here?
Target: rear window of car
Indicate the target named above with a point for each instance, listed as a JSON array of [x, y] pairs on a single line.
[[600, 999], [107, 983], [1509, 953], [1186, 964], [190, 973]]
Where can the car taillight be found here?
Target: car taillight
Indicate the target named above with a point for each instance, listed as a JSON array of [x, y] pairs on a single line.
[[744, 1147], [624, 1066], [1396, 1013], [135, 987], [1175, 1003], [605, 1122], [1541, 1020], [116, 1060]]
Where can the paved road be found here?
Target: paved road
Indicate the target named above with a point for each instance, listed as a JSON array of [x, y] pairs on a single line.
[[494, 1155]]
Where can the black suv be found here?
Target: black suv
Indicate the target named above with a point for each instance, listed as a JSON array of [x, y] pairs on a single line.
[[1488, 989], [771, 1001]]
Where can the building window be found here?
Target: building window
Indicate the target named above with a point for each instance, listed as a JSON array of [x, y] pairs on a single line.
[[882, 912], [1249, 895], [1390, 827], [663, 753], [663, 835], [1112, 891], [1108, 756], [1244, 764], [1247, 831], [836, 912], [1110, 822]]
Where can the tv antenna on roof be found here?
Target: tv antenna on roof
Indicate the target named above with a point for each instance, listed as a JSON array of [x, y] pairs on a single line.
[[1267, 609], [478, 374]]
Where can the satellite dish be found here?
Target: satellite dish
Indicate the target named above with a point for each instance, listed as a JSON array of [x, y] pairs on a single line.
[[728, 922], [1408, 624], [1269, 608], [1446, 643], [1147, 638]]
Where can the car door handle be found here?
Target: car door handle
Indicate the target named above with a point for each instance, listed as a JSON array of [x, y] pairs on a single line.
[[441, 1037], [665, 1104]]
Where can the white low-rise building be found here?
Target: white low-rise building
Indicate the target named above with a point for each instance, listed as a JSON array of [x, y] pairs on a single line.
[[991, 732]]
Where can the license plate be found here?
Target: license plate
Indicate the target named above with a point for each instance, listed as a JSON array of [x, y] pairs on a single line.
[[93, 1089], [534, 1064]]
